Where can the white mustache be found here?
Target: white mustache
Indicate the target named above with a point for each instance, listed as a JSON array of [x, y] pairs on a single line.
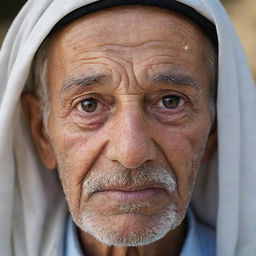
[[132, 179]]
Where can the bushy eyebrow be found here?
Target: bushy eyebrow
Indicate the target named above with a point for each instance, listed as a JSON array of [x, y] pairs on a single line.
[[82, 81], [177, 79], [90, 80]]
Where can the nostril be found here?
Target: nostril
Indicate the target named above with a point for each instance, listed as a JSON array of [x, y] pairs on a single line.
[[132, 152]]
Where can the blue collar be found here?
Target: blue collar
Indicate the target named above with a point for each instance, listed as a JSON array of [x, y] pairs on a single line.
[[200, 240]]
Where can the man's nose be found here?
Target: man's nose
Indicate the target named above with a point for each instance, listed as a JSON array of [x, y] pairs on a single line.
[[130, 143]]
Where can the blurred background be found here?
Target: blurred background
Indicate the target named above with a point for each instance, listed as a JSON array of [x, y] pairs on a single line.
[[242, 13]]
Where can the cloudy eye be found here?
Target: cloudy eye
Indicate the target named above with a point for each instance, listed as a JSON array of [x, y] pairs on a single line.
[[172, 101], [89, 105]]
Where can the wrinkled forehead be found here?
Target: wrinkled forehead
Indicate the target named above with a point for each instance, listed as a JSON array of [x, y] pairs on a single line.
[[205, 25], [166, 40], [109, 27]]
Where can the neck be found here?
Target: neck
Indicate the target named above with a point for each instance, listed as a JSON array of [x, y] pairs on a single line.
[[171, 244]]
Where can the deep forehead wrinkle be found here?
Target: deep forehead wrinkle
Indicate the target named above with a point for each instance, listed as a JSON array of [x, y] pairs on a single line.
[[82, 81], [152, 44], [103, 39]]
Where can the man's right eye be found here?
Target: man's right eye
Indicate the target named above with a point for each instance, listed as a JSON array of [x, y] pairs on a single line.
[[88, 105]]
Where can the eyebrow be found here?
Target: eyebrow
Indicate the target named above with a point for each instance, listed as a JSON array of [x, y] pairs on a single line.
[[177, 79], [172, 78], [82, 81]]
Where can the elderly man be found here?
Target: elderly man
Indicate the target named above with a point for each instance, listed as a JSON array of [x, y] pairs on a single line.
[[120, 102]]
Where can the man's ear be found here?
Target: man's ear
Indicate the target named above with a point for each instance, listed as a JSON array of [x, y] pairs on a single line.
[[211, 144], [31, 107]]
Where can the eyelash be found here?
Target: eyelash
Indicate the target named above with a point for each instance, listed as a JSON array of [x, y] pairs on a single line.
[[154, 101]]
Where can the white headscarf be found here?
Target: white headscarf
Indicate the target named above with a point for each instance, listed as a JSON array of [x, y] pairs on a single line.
[[32, 207]]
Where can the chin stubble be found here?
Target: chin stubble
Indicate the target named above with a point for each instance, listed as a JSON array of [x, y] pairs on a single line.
[[157, 226]]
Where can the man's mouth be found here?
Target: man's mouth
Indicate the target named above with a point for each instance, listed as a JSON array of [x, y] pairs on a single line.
[[124, 184], [129, 194]]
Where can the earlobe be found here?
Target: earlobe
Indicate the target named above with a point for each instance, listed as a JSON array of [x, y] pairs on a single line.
[[33, 113]]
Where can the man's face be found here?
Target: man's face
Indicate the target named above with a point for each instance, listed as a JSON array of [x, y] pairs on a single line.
[[130, 117]]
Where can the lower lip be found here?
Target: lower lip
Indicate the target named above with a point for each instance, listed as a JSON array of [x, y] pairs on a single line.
[[132, 195]]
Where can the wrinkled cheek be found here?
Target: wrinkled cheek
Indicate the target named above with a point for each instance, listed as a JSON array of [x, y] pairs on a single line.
[[197, 145], [72, 190], [69, 166], [76, 153], [184, 153]]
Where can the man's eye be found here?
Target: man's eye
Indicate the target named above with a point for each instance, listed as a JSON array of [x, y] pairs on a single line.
[[89, 105], [172, 101]]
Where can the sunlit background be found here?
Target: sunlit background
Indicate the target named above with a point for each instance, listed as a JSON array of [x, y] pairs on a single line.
[[242, 13]]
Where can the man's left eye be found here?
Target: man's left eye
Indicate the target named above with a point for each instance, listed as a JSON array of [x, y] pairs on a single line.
[[89, 105], [172, 101]]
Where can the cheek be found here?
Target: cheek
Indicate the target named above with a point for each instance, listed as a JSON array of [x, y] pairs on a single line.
[[76, 151], [183, 149]]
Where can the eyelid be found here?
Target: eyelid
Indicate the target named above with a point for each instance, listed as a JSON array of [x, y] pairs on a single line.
[[78, 105], [159, 95], [80, 108], [82, 97], [179, 105], [102, 103]]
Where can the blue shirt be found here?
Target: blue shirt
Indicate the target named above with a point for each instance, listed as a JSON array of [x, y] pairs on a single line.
[[200, 240]]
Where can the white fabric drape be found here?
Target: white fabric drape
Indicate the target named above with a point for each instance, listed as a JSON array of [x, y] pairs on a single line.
[[32, 208]]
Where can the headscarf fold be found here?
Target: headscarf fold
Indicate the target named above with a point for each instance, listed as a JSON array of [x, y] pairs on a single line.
[[33, 209]]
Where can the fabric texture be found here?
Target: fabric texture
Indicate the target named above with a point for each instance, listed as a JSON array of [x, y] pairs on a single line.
[[207, 27], [33, 208], [200, 240]]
